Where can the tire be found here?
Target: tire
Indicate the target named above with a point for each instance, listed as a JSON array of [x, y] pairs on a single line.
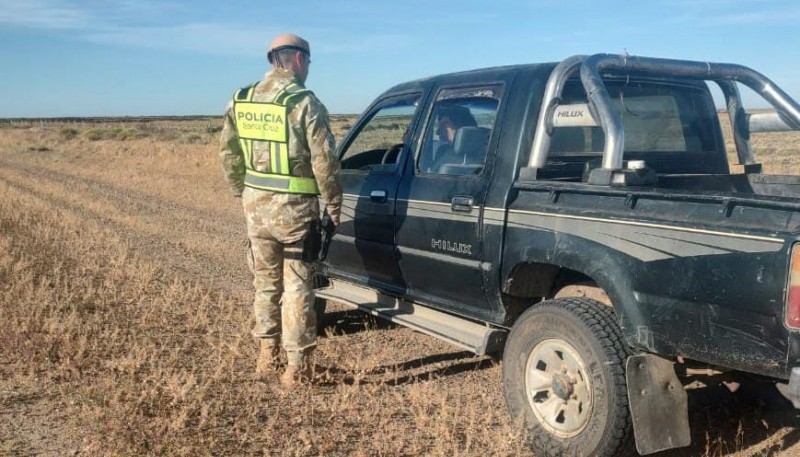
[[578, 402], [319, 308]]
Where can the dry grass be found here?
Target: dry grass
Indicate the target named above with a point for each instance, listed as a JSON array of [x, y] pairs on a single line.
[[126, 310], [124, 302], [777, 151]]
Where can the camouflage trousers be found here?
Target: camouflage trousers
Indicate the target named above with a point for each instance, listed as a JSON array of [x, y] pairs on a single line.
[[284, 293]]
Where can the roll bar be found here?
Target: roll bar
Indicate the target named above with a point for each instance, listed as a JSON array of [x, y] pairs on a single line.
[[606, 115]]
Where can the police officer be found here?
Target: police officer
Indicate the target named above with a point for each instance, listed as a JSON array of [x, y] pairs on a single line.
[[278, 154]]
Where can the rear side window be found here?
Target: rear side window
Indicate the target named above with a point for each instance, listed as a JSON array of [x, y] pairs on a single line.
[[458, 132]]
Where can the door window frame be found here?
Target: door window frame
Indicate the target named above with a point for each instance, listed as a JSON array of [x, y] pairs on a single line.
[[367, 118], [499, 91]]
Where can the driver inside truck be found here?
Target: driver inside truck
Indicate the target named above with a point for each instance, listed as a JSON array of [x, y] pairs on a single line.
[[449, 119]]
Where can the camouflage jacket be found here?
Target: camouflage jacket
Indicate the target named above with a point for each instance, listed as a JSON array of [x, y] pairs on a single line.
[[311, 154]]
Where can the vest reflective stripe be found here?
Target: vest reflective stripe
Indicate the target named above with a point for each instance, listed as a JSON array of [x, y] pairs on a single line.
[[248, 152], [242, 95], [280, 183], [283, 159], [274, 158], [266, 122]]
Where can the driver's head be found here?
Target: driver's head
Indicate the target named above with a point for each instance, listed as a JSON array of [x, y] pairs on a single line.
[[451, 118]]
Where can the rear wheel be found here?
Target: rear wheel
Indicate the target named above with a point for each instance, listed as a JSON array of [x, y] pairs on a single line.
[[564, 379]]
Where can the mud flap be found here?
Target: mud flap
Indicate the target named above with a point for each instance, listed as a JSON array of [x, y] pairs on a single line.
[[658, 403]]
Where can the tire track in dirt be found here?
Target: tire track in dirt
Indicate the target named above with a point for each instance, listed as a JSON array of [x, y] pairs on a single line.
[[140, 199], [44, 432], [226, 272], [139, 203]]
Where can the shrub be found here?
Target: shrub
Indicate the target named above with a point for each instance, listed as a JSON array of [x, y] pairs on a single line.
[[94, 134], [213, 129], [68, 133], [114, 133], [129, 133], [190, 138]]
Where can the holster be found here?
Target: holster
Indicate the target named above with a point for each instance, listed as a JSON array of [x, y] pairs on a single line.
[[307, 248], [312, 242], [326, 231]]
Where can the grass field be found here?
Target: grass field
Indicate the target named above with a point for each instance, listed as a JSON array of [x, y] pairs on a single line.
[[125, 310]]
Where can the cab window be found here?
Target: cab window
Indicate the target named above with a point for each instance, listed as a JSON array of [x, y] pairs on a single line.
[[382, 138], [657, 119], [669, 126], [458, 131]]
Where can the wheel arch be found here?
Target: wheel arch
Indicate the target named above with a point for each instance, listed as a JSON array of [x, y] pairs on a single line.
[[529, 281]]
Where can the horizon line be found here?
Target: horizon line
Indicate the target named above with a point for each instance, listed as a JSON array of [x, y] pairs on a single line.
[[133, 118]]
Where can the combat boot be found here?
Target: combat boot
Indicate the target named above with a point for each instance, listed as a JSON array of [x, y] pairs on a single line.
[[296, 375], [299, 370], [269, 358]]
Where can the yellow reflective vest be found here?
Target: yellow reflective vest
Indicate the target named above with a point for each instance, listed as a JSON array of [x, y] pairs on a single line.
[[267, 122]]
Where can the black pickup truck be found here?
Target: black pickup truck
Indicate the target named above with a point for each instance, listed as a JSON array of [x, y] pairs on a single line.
[[582, 220]]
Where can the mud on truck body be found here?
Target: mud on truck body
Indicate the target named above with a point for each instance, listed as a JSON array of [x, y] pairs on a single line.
[[582, 221]]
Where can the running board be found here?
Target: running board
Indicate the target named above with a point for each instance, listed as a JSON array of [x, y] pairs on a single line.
[[458, 331]]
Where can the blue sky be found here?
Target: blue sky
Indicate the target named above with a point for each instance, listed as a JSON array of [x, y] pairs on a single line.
[[149, 57]]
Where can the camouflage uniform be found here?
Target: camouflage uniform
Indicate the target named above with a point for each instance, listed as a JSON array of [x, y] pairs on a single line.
[[279, 225]]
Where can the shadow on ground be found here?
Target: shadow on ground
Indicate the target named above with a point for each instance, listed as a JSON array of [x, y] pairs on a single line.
[[409, 372], [751, 420], [352, 321], [421, 369]]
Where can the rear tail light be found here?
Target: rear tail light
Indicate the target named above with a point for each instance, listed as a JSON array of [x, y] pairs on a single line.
[[793, 293]]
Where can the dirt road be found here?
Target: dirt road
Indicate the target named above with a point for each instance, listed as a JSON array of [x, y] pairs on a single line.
[[125, 302]]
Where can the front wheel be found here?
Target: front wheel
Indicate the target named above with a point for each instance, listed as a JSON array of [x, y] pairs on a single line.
[[564, 379]]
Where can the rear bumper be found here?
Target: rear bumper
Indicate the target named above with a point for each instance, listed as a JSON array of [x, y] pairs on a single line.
[[792, 390]]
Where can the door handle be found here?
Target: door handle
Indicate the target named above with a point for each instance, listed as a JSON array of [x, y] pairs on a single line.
[[378, 195], [462, 204]]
